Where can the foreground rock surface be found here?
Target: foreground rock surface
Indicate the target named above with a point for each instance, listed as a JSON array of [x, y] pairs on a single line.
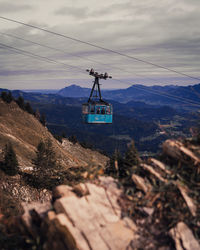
[[184, 238], [87, 216]]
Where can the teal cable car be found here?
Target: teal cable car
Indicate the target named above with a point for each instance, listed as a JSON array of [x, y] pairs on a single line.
[[96, 110]]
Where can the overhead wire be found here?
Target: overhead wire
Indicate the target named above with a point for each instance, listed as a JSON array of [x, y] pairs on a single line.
[[30, 54], [100, 47], [48, 47], [60, 50], [87, 59]]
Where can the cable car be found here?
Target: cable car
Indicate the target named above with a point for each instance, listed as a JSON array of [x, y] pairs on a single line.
[[96, 110]]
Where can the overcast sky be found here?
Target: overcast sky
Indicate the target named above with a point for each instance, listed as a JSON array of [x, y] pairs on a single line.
[[164, 32]]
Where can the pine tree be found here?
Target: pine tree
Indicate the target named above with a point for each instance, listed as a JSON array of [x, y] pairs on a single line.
[[46, 167], [10, 163], [131, 159], [45, 160], [58, 138], [73, 139], [37, 114], [43, 120], [40, 156], [28, 108], [20, 102], [50, 157], [7, 97], [4, 96], [63, 134], [47, 171]]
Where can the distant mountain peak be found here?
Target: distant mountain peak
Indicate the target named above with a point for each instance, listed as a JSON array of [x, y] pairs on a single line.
[[73, 86], [74, 91]]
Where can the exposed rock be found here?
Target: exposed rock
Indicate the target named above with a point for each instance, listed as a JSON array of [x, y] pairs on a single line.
[[159, 165], [141, 183], [184, 238], [148, 210], [153, 172], [173, 198], [61, 191], [92, 221], [177, 150], [188, 200]]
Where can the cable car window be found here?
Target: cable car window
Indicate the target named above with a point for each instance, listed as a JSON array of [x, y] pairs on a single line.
[[92, 109], [85, 109], [108, 110], [98, 110], [103, 110]]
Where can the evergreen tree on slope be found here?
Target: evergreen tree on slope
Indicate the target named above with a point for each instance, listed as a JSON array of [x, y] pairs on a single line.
[[10, 163]]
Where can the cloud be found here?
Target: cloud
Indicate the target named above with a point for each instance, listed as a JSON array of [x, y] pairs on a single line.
[[76, 12], [25, 72], [6, 7]]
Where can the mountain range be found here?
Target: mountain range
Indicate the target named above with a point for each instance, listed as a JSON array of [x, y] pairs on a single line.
[[170, 95]]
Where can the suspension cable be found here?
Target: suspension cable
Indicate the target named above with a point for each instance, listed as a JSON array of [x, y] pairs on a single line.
[[30, 54], [23, 52], [87, 59], [100, 47]]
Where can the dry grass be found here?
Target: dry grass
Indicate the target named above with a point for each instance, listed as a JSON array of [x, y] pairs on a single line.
[[25, 132]]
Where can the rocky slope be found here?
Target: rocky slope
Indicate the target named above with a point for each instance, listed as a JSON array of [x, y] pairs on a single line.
[[24, 131], [159, 209]]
